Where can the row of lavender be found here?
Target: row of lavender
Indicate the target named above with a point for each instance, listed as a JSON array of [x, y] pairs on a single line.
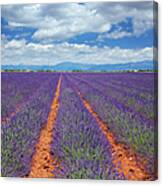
[[131, 91], [79, 145], [129, 125], [78, 142], [21, 134], [17, 89]]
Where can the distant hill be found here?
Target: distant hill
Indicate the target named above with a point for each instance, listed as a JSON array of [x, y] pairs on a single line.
[[144, 65], [69, 66], [72, 66]]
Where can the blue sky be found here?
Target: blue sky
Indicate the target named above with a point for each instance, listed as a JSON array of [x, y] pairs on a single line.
[[98, 33]]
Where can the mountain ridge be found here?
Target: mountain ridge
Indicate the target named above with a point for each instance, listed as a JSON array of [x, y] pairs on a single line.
[[70, 66]]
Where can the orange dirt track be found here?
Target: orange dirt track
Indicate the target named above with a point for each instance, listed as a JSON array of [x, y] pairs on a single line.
[[43, 164], [124, 159]]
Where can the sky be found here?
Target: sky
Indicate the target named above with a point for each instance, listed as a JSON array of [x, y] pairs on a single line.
[[87, 33]]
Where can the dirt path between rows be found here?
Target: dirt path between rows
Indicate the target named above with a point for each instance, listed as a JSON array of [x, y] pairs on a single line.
[[124, 159], [43, 163]]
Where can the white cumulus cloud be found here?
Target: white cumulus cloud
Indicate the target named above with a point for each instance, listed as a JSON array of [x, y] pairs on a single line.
[[65, 20], [21, 52]]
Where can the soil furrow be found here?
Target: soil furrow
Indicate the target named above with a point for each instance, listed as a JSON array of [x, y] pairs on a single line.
[[43, 164], [125, 160]]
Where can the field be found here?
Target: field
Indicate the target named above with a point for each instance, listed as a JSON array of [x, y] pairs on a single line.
[[79, 125]]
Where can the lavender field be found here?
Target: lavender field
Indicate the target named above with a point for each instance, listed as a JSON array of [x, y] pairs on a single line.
[[79, 125]]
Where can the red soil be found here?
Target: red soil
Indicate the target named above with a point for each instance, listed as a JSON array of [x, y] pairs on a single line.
[[124, 158], [43, 164]]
